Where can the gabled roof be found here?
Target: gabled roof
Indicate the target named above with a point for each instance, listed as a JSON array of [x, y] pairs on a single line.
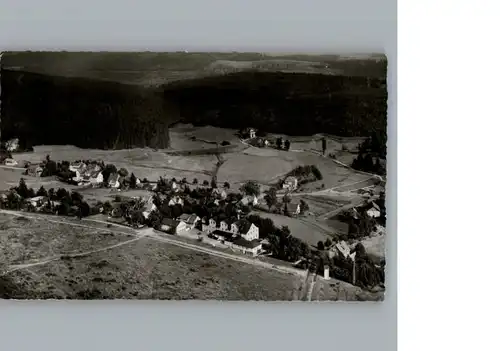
[[375, 206], [228, 236], [114, 177], [170, 222], [243, 226], [188, 218]]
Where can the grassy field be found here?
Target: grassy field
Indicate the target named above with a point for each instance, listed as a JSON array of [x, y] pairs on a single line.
[[24, 239], [331, 290], [303, 230], [147, 269]]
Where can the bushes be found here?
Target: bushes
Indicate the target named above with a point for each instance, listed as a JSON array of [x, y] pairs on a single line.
[[307, 173]]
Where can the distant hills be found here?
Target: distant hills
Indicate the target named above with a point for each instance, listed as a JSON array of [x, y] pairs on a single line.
[[148, 69]]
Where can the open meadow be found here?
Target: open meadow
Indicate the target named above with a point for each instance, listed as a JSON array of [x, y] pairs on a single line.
[[144, 269], [24, 239]]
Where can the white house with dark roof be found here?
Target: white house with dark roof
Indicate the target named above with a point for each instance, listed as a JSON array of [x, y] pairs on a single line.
[[190, 219], [246, 229], [114, 180], [374, 211]]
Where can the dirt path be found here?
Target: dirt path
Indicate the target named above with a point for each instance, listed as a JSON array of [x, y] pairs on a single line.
[[150, 233], [46, 260]]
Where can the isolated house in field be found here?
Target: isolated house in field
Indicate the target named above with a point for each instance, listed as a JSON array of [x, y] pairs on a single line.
[[10, 162], [172, 226], [253, 247], [374, 211], [292, 209], [290, 183], [114, 181], [190, 220]]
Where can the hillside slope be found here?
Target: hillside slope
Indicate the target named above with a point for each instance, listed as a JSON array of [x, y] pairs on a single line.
[[45, 109], [42, 109]]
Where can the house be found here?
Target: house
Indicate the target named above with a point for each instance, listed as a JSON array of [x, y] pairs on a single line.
[[249, 200], [176, 200], [116, 212], [171, 226], [209, 226], [12, 145], [253, 246], [290, 183], [226, 225], [246, 229], [96, 178], [34, 171], [175, 187], [10, 162], [252, 133], [190, 219], [37, 201], [150, 207], [374, 211], [219, 193], [114, 180], [224, 237], [341, 248], [292, 209]]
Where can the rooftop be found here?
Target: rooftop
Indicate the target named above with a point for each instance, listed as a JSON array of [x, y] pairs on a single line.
[[247, 244], [228, 236]]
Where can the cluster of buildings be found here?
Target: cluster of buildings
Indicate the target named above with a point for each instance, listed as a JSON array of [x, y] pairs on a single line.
[[238, 234], [87, 174]]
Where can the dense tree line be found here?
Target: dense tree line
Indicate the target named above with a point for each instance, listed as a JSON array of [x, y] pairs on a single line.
[[372, 154], [43, 109], [290, 103]]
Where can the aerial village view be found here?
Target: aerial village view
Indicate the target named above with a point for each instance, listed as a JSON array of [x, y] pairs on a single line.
[[212, 209]]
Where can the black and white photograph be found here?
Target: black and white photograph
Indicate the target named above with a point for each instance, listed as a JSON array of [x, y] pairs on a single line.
[[238, 176]]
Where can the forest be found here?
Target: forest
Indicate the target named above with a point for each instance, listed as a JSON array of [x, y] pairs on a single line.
[[89, 113]]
